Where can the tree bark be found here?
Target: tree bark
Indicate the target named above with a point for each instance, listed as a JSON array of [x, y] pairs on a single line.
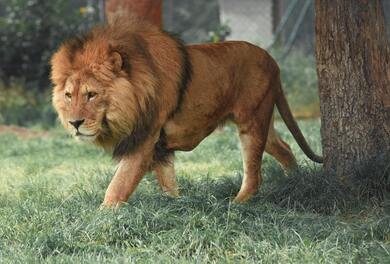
[[147, 9], [353, 67]]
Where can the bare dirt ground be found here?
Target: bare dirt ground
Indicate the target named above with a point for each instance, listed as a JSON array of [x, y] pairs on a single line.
[[22, 132]]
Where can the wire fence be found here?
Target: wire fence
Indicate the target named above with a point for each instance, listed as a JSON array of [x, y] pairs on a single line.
[[270, 24]]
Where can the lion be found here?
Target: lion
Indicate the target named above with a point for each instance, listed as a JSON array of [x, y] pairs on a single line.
[[141, 94]]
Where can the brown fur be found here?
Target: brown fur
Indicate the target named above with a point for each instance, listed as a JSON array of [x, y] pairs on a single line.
[[155, 96]]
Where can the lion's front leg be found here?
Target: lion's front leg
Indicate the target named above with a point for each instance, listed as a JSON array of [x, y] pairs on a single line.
[[129, 173], [165, 174]]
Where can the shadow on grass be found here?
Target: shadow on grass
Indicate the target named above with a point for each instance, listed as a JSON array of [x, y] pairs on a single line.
[[309, 189], [199, 223], [306, 190]]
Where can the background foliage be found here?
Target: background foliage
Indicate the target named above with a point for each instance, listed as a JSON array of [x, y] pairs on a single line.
[[30, 30]]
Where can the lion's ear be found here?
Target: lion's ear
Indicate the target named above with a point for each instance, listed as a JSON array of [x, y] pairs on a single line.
[[116, 60]]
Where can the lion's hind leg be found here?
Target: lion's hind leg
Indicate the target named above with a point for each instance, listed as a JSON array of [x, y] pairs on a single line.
[[165, 175], [252, 147], [280, 150], [253, 123], [253, 138]]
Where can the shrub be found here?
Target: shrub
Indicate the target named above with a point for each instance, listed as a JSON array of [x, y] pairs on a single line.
[[23, 107], [30, 30]]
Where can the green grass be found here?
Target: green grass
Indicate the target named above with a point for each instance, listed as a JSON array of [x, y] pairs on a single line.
[[51, 189]]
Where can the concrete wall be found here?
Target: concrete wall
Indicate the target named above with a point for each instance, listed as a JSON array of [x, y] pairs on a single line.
[[249, 20]]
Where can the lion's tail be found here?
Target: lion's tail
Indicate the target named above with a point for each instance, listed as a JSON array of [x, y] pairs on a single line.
[[292, 125]]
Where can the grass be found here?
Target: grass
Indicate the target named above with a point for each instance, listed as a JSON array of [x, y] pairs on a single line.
[[51, 189]]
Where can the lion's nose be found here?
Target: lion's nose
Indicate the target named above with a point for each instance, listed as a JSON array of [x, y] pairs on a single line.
[[77, 123]]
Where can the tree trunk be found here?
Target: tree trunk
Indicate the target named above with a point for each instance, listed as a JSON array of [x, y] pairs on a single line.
[[354, 85], [147, 9]]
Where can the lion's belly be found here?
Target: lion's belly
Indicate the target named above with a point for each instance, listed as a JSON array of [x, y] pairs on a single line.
[[186, 137]]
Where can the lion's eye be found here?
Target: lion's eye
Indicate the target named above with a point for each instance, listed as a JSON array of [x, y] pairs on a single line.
[[68, 96], [91, 95]]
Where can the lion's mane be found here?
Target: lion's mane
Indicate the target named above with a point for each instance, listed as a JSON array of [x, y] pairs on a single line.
[[144, 87]]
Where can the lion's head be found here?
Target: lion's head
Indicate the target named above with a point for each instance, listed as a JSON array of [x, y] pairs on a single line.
[[82, 103], [105, 86], [114, 85]]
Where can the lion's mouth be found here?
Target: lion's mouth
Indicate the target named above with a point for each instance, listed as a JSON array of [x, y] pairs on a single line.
[[85, 135], [81, 135]]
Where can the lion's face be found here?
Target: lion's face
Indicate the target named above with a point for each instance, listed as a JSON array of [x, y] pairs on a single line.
[[104, 91], [82, 105]]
